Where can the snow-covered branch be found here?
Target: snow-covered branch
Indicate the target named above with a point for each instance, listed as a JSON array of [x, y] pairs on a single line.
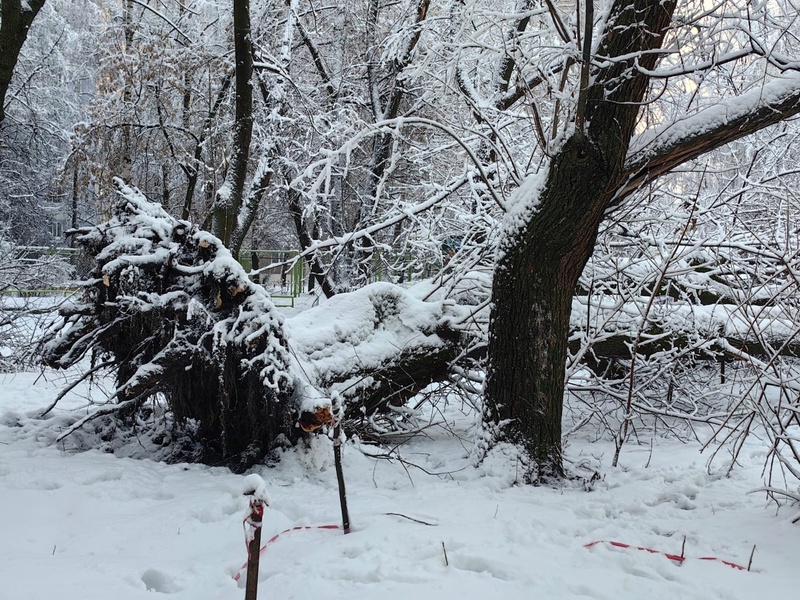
[[657, 152]]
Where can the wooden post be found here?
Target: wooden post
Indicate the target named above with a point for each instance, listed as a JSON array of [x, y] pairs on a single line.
[[337, 458], [256, 488], [338, 413], [254, 548]]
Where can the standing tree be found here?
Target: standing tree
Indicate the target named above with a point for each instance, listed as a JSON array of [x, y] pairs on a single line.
[[229, 196], [552, 227]]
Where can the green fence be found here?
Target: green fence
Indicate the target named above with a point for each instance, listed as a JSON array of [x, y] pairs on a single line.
[[39, 293], [284, 281], [39, 251]]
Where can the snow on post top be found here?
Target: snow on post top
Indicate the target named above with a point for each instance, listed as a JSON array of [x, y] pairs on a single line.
[[255, 486]]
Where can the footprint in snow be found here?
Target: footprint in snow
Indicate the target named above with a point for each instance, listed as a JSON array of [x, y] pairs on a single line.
[[478, 564], [158, 581], [679, 499]]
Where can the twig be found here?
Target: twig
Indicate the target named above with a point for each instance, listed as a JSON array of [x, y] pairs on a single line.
[[393, 514], [107, 410], [647, 466], [74, 384], [583, 93], [624, 426], [404, 462], [444, 550]]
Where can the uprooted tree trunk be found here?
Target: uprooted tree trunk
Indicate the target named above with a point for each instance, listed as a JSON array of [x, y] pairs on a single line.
[[377, 346], [174, 313]]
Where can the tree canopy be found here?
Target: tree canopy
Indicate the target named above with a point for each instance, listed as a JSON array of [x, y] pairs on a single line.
[[599, 196]]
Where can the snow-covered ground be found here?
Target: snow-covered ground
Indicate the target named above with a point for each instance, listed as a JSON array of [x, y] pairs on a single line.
[[86, 526]]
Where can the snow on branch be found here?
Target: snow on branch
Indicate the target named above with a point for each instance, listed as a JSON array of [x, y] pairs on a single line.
[[660, 150]]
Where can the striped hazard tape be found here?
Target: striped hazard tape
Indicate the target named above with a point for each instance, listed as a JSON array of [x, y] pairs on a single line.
[[276, 536], [673, 557]]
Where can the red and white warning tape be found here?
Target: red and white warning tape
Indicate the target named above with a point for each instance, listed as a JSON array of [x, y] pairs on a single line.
[[673, 557], [276, 536]]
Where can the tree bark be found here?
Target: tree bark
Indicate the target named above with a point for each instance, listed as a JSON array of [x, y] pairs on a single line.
[[535, 277], [16, 22], [229, 198], [532, 293]]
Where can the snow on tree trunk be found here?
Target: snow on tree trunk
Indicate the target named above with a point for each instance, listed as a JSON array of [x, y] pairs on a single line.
[[378, 346], [533, 287], [551, 235]]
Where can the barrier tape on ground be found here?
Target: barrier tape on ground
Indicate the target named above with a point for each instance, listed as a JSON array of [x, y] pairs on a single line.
[[276, 536], [673, 557]]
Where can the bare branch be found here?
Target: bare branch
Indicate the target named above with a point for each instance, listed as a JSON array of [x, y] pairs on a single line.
[[580, 114]]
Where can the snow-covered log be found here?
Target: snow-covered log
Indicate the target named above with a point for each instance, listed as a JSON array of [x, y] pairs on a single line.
[[377, 346]]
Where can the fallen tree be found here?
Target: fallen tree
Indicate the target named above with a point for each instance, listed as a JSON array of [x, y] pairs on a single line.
[[171, 313]]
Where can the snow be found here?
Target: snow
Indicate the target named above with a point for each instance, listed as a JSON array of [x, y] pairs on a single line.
[[522, 206], [255, 486], [774, 92], [86, 525], [366, 327]]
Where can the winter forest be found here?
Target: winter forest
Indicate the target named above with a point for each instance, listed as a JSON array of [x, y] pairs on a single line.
[[523, 275]]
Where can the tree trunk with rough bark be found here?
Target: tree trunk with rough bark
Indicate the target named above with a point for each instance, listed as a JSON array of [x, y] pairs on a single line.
[[533, 288], [229, 198], [16, 21], [536, 276]]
